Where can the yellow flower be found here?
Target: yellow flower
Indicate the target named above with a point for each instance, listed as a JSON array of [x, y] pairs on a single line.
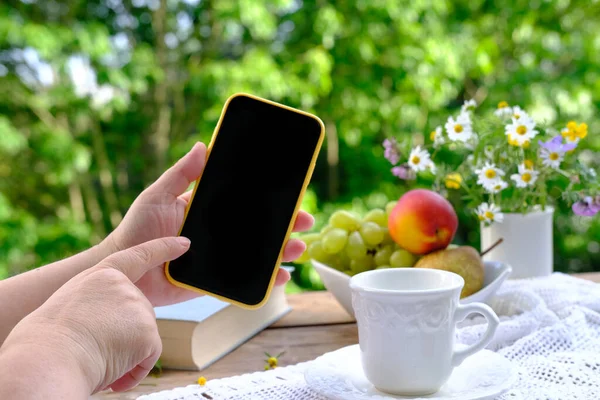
[[453, 181], [582, 130], [574, 132], [528, 164], [502, 104], [202, 381], [570, 135], [515, 142], [272, 361]]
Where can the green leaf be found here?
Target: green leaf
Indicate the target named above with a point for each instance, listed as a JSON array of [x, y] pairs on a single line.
[[11, 140]]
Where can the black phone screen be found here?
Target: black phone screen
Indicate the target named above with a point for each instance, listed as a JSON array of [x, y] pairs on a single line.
[[246, 198]]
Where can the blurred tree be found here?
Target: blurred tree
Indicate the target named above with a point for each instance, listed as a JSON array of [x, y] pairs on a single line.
[[99, 97]]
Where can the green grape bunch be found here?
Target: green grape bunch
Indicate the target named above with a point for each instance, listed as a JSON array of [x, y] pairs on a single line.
[[352, 244]]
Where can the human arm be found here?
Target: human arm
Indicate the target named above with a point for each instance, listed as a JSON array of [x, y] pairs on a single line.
[[97, 331], [23, 293], [40, 370], [157, 212]]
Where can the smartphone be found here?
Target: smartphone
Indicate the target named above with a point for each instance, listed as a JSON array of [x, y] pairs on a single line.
[[243, 208]]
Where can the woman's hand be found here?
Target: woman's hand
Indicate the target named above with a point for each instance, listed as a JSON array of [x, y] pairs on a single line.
[[97, 331], [158, 212]]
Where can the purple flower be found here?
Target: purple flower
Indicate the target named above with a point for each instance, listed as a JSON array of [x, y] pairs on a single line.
[[404, 172], [391, 151], [556, 145], [587, 207]]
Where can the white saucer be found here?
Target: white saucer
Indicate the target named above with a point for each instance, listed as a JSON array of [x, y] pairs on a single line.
[[339, 376]]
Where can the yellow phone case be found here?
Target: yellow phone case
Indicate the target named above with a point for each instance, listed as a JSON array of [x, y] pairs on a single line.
[[292, 221]]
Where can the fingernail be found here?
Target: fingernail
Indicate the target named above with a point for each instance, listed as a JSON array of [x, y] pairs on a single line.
[[183, 241], [194, 146]]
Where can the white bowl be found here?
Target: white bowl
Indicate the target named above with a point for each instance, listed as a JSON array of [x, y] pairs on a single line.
[[337, 283]]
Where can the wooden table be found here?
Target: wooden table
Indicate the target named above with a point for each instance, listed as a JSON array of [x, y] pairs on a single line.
[[317, 325]]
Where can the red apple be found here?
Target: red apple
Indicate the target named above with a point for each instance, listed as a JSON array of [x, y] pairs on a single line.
[[422, 221]]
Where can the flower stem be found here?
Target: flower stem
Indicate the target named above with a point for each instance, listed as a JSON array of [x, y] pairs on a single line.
[[492, 247]]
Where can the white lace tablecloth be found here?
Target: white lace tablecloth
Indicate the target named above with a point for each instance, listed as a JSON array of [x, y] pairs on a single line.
[[550, 329]]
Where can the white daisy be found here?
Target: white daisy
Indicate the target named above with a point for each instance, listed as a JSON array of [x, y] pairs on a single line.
[[432, 167], [503, 110], [551, 157], [466, 117], [471, 161], [489, 213], [437, 137], [419, 159], [495, 187], [459, 129], [521, 131], [488, 174], [518, 113], [527, 165], [468, 105], [525, 177], [472, 142]]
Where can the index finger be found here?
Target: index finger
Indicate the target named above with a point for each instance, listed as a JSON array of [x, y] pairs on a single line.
[[185, 171], [135, 261]]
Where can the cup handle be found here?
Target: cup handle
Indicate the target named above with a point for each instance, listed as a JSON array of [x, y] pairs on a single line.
[[462, 311]]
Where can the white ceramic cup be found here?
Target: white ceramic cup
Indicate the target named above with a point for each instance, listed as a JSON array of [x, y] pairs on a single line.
[[406, 327]]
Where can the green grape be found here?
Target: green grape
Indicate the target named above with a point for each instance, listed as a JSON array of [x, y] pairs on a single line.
[[389, 207], [391, 247], [378, 216], [355, 247], [361, 265], [334, 241], [344, 220], [304, 258], [402, 258], [383, 267], [371, 233], [335, 261], [387, 239], [315, 251], [326, 229], [382, 257], [310, 237], [343, 260]]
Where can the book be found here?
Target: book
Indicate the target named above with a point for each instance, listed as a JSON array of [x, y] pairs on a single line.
[[198, 332]]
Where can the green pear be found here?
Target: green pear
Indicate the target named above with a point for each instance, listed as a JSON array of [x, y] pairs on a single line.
[[462, 260]]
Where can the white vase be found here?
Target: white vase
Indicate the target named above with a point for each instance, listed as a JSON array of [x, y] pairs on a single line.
[[527, 243]]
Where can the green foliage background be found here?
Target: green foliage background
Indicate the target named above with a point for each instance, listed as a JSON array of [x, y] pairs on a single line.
[[71, 163]]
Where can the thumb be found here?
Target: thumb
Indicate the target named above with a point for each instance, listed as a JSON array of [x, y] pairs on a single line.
[[135, 261]]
